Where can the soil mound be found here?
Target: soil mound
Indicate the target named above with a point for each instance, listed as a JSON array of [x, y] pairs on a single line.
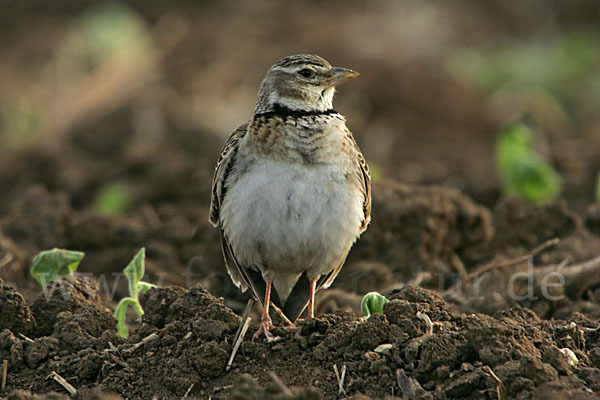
[[420, 347]]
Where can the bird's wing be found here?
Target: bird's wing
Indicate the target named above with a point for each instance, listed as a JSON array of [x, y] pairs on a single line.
[[239, 275], [222, 170], [362, 170]]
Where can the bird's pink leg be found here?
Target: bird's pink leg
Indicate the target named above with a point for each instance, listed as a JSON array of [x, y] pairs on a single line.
[[265, 323], [311, 300], [311, 308]]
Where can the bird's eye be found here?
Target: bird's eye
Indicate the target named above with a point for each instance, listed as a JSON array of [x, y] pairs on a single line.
[[307, 73]]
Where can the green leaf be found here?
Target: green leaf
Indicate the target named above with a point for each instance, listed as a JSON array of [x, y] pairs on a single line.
[[121, 314], [524, 172], [122, 329], [145, 286], [372, 303], [112, 199], [49, 264], [137, 307], [135, 271]]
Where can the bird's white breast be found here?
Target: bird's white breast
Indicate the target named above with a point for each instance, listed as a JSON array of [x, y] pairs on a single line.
[[292, 217]]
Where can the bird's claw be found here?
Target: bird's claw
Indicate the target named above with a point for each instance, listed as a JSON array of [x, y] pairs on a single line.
[[265, 329], [292, 328]]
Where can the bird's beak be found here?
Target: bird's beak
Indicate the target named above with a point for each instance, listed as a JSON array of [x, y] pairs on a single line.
[[339, 76]]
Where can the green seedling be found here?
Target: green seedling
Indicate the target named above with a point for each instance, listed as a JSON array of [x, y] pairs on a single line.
[[49, 264], [112, 199], [134, 273], [372, 303], [525, 173]]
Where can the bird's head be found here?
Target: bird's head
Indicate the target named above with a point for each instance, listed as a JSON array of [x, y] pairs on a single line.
[[301, 82]]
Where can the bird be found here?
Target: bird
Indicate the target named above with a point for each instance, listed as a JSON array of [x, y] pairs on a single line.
[[291, 191]]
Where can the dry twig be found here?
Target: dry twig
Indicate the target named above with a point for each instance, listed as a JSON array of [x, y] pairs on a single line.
[[188, 391], [63, 382], [144, 341], [424, 317], [492, 265], [516, 260], [340, 378], [4, 373], [500, 389], [282, 315], [577, 277], [238, 341], [222, 388], [25, 338]]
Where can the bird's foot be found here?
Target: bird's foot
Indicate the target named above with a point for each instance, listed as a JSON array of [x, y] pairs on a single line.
[[292, 328], [265, 329]]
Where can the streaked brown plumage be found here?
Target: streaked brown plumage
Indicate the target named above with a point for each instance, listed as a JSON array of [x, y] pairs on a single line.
[[291, 191]]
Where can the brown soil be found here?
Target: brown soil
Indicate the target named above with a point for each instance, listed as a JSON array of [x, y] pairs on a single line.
[[443, 246], [184, 340]]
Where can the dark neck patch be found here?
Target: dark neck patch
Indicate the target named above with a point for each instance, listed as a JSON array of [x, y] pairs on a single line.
[[282, 111]]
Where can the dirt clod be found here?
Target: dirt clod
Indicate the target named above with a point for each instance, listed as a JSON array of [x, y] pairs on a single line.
[[16, 314]]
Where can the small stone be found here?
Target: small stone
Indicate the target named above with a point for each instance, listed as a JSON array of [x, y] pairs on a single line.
[[384, 348], [467, 367], [571, 357], [371, 356]]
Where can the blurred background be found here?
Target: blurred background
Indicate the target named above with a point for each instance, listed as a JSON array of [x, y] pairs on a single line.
[[124, 106]]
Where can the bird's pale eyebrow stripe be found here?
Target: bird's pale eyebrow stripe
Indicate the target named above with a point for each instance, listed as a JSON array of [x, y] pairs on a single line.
[[294, 68]]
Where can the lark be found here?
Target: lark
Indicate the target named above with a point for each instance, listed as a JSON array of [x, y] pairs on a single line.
[[291, 191]]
